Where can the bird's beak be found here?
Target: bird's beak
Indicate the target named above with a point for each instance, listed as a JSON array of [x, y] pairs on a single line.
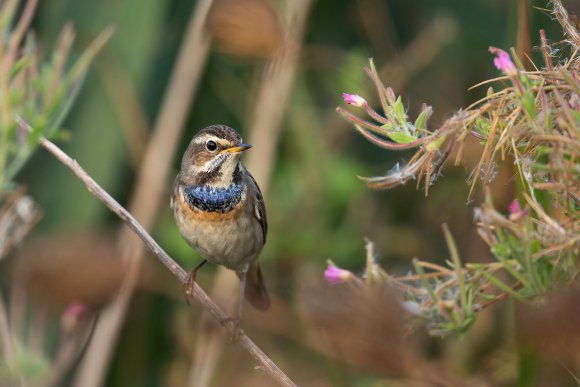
[[236, 149]]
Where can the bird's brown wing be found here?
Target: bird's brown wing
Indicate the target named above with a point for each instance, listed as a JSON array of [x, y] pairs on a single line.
[[255, 291], [259, 208]]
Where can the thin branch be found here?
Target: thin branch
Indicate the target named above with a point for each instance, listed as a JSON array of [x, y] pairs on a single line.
[[546, 51], [207, 303]]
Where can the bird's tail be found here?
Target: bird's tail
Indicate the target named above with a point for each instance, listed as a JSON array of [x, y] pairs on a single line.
[[256, 292]]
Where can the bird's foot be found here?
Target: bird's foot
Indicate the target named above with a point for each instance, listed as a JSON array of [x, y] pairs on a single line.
[[236, 330], [189, 284]]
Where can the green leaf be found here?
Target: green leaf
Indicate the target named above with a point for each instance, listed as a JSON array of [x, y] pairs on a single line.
[[30, 364], [482, 126], [435, 144], [20, 64], [529, 104], [400, 111], [421, 121], [400, 137], [576, 116]]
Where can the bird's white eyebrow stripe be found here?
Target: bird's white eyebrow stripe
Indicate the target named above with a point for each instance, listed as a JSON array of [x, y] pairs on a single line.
[[207, 137]]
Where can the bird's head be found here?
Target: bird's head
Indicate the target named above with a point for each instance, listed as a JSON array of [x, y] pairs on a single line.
[[213, 157]]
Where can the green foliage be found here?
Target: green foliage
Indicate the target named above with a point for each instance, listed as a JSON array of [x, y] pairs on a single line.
[[26, 364], [35, 97], [533, 119], [42, 93]]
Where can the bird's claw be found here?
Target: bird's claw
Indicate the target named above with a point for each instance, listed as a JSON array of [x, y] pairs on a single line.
[[188, 286], [236, 330]]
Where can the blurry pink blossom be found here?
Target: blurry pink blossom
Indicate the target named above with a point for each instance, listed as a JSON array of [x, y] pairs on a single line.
[[335, 275], [354, 99], [503, 61], [515, 211], [71, 316]]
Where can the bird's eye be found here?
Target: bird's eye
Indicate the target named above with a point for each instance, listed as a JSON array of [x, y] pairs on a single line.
[[211, 146]]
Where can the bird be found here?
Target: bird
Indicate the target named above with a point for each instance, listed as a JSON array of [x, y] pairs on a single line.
[[219, 210]]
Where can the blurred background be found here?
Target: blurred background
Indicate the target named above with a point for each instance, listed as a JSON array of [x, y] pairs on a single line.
[[275, 71]]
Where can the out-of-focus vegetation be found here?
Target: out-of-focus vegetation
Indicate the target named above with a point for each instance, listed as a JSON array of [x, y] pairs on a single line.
[[534, 123], [42, 92], [61, 276]]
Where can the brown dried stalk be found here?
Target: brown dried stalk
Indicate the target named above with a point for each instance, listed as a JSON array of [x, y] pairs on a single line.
[[564, 20]]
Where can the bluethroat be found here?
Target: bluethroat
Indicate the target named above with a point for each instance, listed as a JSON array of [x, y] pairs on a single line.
[[219, 210]]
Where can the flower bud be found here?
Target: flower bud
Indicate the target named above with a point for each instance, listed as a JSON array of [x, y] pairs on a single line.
[[354, 99], [503, 61], [336, 275]]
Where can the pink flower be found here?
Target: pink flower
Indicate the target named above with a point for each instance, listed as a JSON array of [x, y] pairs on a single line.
[[336, 275], [354, 99], [515, 211], [71, 316], [503, 61]]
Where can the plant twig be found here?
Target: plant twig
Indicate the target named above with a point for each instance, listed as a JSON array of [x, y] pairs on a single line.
[[207, 303]]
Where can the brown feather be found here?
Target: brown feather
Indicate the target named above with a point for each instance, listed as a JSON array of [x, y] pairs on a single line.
[[256, 292], [261, 207]]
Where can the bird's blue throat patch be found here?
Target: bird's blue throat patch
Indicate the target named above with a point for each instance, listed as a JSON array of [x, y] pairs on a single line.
[[211, 199]]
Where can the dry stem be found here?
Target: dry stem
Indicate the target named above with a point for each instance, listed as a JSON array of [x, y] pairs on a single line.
[[208, 305]]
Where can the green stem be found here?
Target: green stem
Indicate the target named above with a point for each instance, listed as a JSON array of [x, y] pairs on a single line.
[[505, 288], [424, 281], [456, 265]]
